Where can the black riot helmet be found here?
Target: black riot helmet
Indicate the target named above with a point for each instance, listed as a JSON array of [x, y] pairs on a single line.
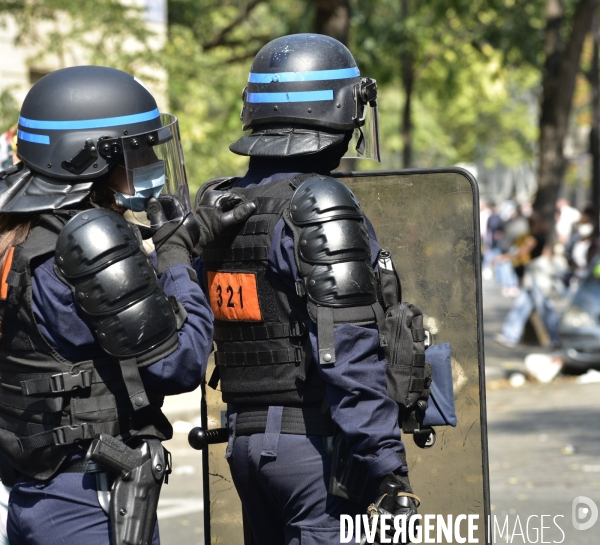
[[305, 94], [75, 126]]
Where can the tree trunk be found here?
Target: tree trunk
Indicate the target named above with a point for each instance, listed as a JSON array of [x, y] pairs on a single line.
[[558, 83], [407, 70], [333, 19]]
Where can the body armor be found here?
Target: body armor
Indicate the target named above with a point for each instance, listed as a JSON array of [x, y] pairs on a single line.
[[261, 325], [51, 407], [264, 355]]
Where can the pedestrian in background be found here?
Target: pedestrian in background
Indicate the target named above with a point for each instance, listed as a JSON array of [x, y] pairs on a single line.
[[538, 280], [492, 240], [582, 247], [566, 216], [510, 272]]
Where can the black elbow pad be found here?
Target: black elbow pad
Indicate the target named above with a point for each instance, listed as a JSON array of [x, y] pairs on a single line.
[[333, 255], [98, 255]]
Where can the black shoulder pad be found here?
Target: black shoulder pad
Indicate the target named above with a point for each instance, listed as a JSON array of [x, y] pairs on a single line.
[[98, 255], [148, 323], [92, 240], [323, 198]]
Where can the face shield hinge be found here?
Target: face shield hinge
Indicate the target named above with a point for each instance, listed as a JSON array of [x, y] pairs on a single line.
[[364, 93], [110, 148], [113, 148], [83, 159]]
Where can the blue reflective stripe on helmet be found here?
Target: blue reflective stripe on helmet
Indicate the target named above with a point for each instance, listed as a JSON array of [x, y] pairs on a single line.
[[304, 96], [35, 138], [314, 75], [88, 123]]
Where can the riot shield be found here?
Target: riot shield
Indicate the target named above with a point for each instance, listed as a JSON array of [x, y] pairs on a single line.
[[429, 221]]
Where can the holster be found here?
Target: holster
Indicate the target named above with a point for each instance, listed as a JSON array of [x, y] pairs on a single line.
[[349, 476], [134, 498], [135, 492]]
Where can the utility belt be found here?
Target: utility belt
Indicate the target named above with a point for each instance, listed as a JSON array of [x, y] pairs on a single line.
[[349, 477], [294, 421]]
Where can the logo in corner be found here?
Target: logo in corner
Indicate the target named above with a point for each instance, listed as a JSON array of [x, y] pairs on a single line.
[[580, 513]]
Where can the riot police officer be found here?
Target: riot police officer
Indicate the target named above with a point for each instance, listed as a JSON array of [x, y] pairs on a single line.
[[313, 433], [94, 334]]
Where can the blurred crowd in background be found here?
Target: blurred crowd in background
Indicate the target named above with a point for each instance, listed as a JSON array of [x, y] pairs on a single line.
[[553, 275]]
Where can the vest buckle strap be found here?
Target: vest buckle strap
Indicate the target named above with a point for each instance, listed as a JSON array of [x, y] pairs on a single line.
[[67, 435], [65, 382], [297, 329], [57, 383]]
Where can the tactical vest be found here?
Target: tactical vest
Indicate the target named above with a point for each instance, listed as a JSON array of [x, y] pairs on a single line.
[[49, 406], [264, 354]]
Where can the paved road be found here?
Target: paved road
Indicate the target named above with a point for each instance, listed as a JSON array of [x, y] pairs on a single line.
[[181, 507], [544, 441], [544, 450]]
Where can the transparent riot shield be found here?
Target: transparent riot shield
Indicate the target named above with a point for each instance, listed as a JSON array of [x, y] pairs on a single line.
[[429, 220]]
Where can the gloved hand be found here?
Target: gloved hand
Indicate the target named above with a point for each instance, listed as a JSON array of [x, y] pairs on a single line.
[[397, 499], [165, 209], [218, 211], [176, 232]]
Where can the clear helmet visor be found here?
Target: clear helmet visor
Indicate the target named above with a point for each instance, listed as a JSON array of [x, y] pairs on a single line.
[[153, 165]]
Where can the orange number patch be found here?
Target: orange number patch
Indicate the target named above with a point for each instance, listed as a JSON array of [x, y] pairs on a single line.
[[234, 296]]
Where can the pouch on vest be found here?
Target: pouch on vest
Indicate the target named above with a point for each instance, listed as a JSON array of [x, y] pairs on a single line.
[[408, 369]]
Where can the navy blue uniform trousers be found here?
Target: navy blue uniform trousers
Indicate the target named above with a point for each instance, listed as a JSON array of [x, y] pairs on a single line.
[[285, 497], [61, 511]]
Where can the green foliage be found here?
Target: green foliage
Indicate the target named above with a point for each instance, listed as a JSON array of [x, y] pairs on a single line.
[[469, 103], [476, 67], [9, 110], [207, 101], [72, 32]]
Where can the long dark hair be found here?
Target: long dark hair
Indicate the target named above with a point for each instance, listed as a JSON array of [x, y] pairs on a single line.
[[13, 230]]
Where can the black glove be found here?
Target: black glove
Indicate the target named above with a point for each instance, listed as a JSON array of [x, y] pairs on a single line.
[[397, 499], [219, 211], [165, 209], [176, 232], [397, 495]]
